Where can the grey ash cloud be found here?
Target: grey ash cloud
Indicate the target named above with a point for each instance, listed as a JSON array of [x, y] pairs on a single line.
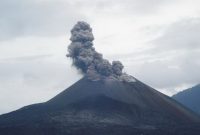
[[88, 60]]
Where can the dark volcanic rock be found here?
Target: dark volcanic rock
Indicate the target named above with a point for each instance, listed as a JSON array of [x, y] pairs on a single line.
[[102, 107]]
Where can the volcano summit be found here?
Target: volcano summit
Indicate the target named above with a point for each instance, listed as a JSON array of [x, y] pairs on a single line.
[[105, 101]]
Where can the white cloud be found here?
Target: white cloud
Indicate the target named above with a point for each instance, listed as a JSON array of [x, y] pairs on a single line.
[[173, 60], [33, 72], [36, 18], [26, 81]]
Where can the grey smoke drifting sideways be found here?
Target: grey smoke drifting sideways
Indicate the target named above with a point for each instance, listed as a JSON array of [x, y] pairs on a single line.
[[88, 60]]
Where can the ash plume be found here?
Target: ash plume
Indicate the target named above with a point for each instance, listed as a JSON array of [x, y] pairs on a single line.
[[88, 60]]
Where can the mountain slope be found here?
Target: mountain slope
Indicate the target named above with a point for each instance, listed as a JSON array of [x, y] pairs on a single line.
[[100, 107], [190, 98]]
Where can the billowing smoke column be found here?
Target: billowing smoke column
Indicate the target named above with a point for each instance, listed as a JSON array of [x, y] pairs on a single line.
[[90, 62]]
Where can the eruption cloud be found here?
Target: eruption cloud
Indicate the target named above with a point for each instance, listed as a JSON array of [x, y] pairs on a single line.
[[88, 60]]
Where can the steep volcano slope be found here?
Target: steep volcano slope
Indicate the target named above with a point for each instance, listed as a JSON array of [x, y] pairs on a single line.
[[141, 101], [98, 106]]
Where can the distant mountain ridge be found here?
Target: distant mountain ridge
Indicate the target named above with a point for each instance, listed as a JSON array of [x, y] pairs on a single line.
[[190, 98]]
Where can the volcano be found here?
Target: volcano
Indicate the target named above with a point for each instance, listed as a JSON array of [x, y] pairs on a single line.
[[105, 107], [106, 101]]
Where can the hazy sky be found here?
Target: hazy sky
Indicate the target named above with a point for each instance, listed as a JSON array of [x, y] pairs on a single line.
[[158, 41]]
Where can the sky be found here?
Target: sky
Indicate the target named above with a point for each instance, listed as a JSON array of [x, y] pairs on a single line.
[[156, 40]]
